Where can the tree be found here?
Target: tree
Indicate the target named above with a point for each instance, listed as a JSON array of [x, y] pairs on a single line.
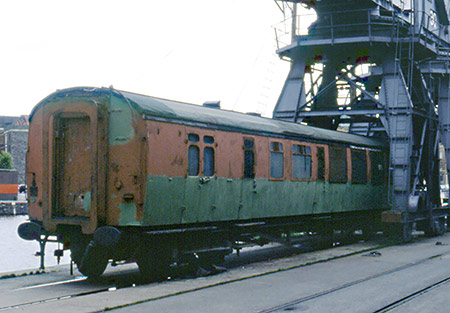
[[6, 160]]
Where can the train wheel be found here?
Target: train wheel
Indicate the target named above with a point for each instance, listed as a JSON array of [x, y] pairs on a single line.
[[94, 261], [400, 232], [441, 226], [406, 232], [368, 231], [78, 244], [210, 263], [327, 236], [153, 263], [436, 227]]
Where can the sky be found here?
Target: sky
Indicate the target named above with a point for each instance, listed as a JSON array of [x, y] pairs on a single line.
[[192, 51]]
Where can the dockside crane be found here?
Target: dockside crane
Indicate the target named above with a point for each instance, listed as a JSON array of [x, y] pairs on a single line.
[[377, 68]]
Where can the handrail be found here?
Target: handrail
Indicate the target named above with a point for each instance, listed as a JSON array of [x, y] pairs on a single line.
[[336, 24]]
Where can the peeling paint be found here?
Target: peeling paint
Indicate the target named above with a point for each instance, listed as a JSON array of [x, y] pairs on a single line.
[[128, 215], [121, 129], [173, 200], [87, 201]]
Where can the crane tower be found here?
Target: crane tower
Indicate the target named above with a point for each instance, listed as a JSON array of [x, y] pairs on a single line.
[[377, 68]]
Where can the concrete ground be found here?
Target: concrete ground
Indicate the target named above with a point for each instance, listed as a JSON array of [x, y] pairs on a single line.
[[321, 281], [360, 283]]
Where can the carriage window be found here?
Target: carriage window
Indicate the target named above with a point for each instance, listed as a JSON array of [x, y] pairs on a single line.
[[276, 160], [193, 160], [320, 163], [208, 140], [338, 164], [208, 161], [301, 162], [249, 158], [249, 144], [193, 138], [359, 166], [193, 155], [376, 167], [276, 146]]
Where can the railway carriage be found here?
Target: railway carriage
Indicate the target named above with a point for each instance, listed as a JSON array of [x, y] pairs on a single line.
[[126, 177]]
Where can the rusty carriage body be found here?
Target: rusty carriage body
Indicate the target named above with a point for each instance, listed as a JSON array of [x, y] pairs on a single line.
[[126, 177]]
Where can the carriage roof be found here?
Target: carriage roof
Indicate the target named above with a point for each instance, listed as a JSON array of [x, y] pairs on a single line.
[[197, 115]]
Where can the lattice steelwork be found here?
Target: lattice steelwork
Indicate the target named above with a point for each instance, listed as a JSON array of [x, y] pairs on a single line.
[[376, 68]]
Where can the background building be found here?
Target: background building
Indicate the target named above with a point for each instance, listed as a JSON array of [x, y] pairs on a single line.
[[14, 140]]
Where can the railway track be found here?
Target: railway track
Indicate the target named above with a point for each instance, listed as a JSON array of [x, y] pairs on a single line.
[[386, 288], [58, 287], [397, 304], [291, 306], [121, 291]]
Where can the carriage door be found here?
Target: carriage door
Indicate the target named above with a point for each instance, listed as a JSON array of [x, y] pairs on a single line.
[[73, 145], [72, 166]]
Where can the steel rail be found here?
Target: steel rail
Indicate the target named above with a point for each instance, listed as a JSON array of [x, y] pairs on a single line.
[[46, 300], [412, 296], [289, 305], [107, 287]]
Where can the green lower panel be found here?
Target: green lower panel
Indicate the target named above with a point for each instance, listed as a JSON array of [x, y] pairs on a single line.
[[227, 200], [196, 200], [164, 200]]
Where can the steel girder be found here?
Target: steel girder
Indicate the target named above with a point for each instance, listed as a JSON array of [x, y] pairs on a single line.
[[397, 100]]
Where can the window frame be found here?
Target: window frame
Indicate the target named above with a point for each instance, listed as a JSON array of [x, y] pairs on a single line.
[[377, 178], [202, 141], [189, 160], [253, 151], [207, 143], [305, 154], [336, 174], [276, 147], [193, 140], [353, 156], [209, 148], [318, 163]]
